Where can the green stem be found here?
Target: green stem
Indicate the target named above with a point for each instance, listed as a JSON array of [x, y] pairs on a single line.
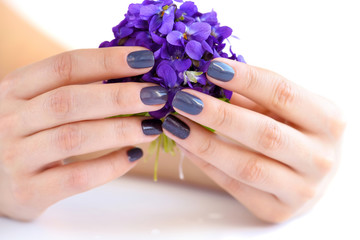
[[157, 159]]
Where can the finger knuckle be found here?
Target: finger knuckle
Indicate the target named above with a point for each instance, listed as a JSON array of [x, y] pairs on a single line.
[[121, 131], [306, 194], [223, 118], [251, 79], [115, 168], [78, 180], [253, 171], [206, 147], [234, 186], [270, 136], [337, 125], [106, 62], [5, 86], [284, 95], [7, 125], [324, 165], [8, 160], [118, 98], [277, 215], [60, 103], [63, 67], [21, 192], [68, 138]]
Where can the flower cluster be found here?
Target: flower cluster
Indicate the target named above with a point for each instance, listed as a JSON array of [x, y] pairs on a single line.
[[183, 40]]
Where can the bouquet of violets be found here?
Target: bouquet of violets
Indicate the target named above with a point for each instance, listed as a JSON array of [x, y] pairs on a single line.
[[184, 41]]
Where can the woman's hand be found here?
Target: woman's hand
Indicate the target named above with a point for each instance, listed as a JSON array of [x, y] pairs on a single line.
[[49, 112], [277, 143]]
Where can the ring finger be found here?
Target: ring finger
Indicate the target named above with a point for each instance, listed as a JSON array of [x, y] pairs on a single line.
[[245, 166], [74, 139]]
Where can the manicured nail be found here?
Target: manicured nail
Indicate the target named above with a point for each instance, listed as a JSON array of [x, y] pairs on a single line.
[[141, 59], [221, 71], [154, 95], [176, 127], [188, 103], [152, 127], [135, 154]]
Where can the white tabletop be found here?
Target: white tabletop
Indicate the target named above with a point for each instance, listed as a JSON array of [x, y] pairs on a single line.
[[314, 43], [131, 208]]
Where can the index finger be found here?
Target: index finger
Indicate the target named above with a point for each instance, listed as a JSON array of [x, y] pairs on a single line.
[[80, 67], [281, 96]]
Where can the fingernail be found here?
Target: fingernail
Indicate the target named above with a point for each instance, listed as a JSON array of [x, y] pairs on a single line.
[[152, 127], [141, 59], [135, 154], [176, 127], [188, 103], [154, 95], [221, 71]]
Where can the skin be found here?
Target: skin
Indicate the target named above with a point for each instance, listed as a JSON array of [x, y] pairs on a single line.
[[284, 148], [282, 153]]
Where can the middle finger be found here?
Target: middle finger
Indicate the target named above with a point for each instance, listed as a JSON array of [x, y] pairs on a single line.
[[259, 132], [88, 102]]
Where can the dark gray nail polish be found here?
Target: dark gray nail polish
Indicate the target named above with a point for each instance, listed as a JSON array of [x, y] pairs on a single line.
[[154, 95], [141, 59], [188, 103], [152, 127], [176, 127], [135, 154], [221, 71]]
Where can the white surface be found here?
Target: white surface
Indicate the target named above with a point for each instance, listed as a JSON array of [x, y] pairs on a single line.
[[314, 43], [132, 208]]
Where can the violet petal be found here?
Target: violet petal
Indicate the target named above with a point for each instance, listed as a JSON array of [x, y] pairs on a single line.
[[155, 23], [167, 73], [180, 26], [207, 47], [210, 18], [182, 65], [199, 31], [224, 32], [194, 50], [189, 8], [168, 21], [146, 12], [174, 38]]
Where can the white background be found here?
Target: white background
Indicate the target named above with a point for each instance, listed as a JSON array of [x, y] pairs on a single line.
[[312, 42]]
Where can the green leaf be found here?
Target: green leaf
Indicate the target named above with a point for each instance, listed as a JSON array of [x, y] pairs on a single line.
[[224, 99], [192, 75], [210, 129], [146, 114]]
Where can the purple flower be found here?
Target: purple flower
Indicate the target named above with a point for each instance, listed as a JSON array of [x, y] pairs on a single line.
[[192, 38], [184, 42]]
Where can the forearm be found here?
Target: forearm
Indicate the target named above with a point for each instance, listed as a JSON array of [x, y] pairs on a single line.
[[22, 43]]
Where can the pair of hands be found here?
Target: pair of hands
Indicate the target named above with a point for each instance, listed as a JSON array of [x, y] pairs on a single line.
[[283, 146]]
